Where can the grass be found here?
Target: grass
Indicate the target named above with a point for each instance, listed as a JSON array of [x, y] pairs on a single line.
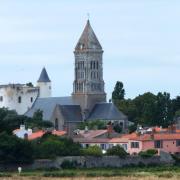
[[131, 173]]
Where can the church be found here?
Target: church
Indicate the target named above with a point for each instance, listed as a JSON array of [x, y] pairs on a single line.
[[88, 99]]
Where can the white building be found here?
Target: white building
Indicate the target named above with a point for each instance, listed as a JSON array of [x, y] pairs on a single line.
[[22, 132], [20, 97]]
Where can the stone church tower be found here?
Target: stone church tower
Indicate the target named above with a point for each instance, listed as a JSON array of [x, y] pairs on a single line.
[[88, 86]]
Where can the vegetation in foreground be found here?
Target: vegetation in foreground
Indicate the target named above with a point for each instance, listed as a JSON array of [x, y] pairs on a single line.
[[136, 172]]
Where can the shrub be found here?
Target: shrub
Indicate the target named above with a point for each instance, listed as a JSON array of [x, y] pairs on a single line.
[[51, 146], [92, 151], [117, 151], [148, 153]]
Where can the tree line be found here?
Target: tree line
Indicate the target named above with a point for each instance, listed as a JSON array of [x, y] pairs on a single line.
[[147, 109]]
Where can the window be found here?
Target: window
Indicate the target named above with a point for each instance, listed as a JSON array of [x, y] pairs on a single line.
[[124, 146], [31, 99], [56, 124], [1, 98], [87, 145], [158, 144], [19, 99], [97, 65], [103, 146], [178, 142], [134, 144]]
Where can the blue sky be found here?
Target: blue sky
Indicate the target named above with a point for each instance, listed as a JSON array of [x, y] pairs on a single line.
[[141, 42]]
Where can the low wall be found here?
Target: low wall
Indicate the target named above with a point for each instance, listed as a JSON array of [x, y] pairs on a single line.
[[104, 161], [95, 162]]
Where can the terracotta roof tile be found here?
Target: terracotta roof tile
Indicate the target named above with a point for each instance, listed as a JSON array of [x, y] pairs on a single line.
[[164, 136], [40, 133]]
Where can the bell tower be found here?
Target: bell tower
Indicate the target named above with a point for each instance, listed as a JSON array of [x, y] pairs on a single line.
[[88, 86]]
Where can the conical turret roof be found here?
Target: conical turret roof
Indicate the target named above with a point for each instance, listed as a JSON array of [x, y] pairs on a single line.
[[44, 76], [88, 39]]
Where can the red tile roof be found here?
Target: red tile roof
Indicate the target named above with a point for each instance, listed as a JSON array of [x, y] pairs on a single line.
[[36, 135], [40, 133], [128, 136], [59, 133], [150, 137]]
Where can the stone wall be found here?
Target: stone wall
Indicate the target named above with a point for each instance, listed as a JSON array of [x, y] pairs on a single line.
[[94, 162], [105, 161]]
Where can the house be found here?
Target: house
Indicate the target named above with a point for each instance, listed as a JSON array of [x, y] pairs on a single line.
[[22, 132], [168, 142], [164, 139], [105, 138]]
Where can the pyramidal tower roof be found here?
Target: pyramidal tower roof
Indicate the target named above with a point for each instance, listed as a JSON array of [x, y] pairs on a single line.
[[44, 76], [88, 39]]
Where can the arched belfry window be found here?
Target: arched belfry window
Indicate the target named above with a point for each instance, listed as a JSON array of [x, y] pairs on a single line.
[[97, 65], [94, 65]]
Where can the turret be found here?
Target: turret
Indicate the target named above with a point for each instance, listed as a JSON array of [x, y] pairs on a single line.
[[44, 84]]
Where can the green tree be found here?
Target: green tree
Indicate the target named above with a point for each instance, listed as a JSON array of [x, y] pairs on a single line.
[[38, 122], [117, 151], [29, 84], [9, 120], [15, 150], [51, 146], [38, 115], [118, 93], [176, 104], [177, 114], [146, 106], [92, 151], [128, 107], [93, 125], [164, 110], [117, 128]]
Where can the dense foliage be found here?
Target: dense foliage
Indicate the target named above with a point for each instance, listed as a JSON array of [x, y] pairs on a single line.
[[148, 109], [119, 92], [92, 151], [50, 146], [10, 120], [148, 153], [15, 150], [117, 151], [92, 125]]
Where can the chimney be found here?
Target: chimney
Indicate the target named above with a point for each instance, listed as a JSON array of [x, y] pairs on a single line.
[[22, 127], [29, 131], [86, 129], [109, 130]]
